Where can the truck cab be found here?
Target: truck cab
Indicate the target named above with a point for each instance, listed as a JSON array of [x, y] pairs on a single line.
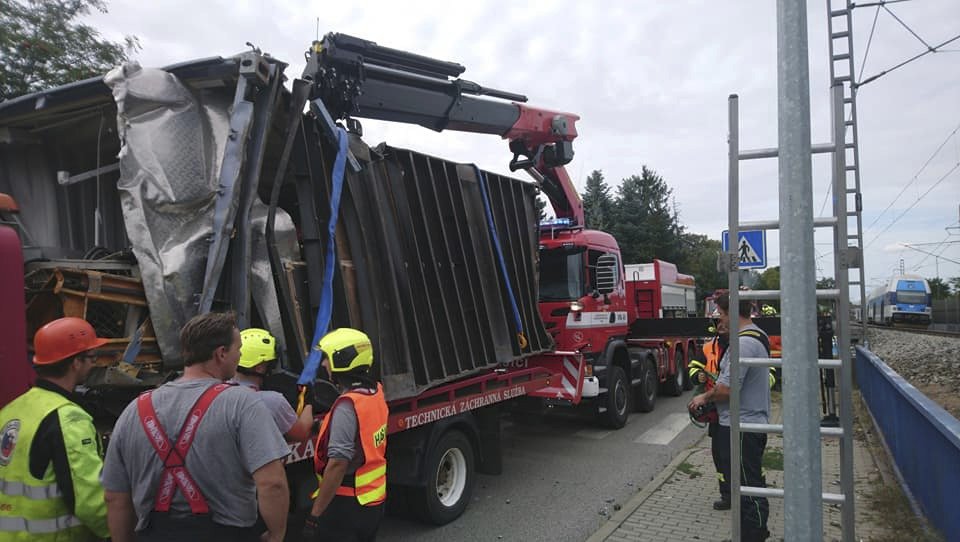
[[584, 308], [582, 296]]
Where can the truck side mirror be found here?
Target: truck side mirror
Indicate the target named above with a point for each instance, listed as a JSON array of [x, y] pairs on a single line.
[[606, 274]]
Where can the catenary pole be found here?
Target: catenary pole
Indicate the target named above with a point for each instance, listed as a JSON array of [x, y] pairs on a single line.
[[803, 515]]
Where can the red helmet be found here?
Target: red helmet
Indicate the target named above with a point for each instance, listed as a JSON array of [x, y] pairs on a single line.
[[63, 338]]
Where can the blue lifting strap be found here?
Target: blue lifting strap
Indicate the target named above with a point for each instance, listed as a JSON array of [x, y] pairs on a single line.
[[309, 373], [518, 323]]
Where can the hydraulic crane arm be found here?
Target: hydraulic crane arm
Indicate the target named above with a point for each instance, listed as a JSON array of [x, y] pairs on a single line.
[[356, 78]]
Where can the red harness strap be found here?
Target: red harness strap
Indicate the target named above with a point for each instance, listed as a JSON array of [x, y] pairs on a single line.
[[174, 457]]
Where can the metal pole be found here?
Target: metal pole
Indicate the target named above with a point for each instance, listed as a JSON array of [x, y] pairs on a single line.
[[803, 513], [733, 284], [841, 269]]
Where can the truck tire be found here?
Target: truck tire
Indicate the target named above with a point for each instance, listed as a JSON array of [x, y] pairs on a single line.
[[646, 396], [450, 476], [616, 403], [674, 384]]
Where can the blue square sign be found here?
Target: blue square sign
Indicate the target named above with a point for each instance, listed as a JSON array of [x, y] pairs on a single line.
[[751, 249]]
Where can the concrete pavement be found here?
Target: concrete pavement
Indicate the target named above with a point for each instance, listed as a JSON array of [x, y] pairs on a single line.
[[676, 506]]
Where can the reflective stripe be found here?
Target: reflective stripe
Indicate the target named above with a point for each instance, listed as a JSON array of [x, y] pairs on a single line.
[[19, 489], [369, 477], [39, 526], [374, 495]]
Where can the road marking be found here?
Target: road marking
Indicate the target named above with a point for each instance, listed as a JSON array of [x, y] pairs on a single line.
[[595, 434], [665, 431]]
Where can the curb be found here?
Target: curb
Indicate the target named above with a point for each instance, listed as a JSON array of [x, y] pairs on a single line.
[[634, 503]]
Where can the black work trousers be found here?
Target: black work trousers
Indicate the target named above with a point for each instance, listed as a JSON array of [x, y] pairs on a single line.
[[163, 528], [720, 450], [348, 521], [753, 510]]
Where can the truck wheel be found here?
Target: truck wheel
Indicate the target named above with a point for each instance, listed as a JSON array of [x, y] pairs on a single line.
[[674, 384], [450, 477], [646, 397], [617, 400]]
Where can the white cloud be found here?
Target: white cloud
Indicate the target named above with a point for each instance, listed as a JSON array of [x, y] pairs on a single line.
[[650, 81]]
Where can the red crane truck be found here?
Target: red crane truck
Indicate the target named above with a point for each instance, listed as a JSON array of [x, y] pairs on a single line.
[[411, 227], [587, 301]]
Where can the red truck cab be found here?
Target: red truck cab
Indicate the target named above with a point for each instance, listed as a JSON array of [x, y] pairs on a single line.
[[579, 312]]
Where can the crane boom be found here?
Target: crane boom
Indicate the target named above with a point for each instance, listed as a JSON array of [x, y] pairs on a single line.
[[357, 78]]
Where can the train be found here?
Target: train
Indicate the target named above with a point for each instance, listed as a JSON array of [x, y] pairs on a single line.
[[904, 300]]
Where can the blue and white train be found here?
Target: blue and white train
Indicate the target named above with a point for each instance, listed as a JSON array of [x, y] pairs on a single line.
[[905, 299]]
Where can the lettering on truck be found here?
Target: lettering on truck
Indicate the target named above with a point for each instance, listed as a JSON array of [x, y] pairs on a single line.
[[445, 411]]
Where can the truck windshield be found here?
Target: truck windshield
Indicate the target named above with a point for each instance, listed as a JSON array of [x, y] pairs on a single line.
[[561, 274]]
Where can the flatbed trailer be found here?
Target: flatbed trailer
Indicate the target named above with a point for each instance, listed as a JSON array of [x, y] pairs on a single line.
[[439, 439]]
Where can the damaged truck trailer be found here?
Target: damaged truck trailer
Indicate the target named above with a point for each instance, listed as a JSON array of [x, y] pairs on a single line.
[[145, 197]]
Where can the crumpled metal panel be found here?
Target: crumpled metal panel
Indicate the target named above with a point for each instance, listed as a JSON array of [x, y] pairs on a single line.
[[262, 286], [430, 289], [173, 142]]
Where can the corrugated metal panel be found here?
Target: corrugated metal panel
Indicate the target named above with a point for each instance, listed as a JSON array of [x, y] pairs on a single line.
[[428, 282]]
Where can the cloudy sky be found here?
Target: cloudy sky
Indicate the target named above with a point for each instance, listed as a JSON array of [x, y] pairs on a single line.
[[650, 80]]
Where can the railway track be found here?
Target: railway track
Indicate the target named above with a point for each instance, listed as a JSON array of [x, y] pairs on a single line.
[[917, 330]]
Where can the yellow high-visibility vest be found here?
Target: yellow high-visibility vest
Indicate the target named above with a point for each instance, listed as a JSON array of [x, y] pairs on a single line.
[[33, 508]]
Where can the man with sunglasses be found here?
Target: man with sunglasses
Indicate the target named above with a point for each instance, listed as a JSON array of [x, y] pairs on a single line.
[[50, 454]]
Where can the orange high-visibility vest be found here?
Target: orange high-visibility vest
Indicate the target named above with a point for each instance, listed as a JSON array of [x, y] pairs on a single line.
[[775, 346], [369, 483], [712, 354]]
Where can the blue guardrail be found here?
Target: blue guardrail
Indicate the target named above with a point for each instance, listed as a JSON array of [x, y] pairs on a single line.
[[923, 438]]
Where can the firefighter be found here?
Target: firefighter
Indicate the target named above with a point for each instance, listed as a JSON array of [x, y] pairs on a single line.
[[350, 457], [258, 352], [50, 454]]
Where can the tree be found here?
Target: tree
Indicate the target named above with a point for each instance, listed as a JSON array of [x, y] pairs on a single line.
[[597, 203], [939, 289], [955, 284], [698, 257], [826, 283], [644, 223], [43, 45], [769, 279], [541, 207]]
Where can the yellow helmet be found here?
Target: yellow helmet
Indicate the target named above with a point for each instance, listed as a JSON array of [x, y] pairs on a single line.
[[256, 346], [347, 349]]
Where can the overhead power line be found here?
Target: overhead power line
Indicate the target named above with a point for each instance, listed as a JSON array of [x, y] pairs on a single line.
[[912, 205], [928, 253], [933, 49], [944, 242], [894, 15], [915, 176], [866, 51]]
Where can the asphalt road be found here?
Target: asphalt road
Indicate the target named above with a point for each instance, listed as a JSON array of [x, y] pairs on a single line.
[[562, 477]]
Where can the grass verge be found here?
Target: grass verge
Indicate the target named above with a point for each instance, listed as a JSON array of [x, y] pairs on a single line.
[[689, 469]]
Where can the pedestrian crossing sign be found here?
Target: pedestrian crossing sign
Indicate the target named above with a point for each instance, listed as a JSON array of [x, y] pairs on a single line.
[[751, 248]]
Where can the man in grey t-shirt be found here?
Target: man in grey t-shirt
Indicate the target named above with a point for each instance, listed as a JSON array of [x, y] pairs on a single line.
[[754, 408], [258, 354], [235, 460]]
